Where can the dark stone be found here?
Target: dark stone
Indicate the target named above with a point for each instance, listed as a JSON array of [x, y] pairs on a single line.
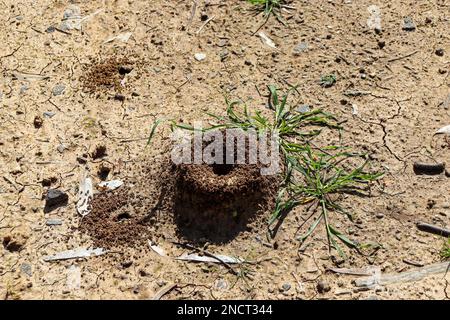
[[99, 152], [439, 52], [38, 122], [54, 199], [323, 286], [119, 97], [123, 70]]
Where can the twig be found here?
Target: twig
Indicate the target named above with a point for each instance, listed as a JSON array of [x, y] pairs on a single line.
[[425, 227], [62, 31], [194, 9], [262, 24], [12, 53], [206, 253], [414, 275], [164, 291], [413, 263], [203, 25], [403, 57]]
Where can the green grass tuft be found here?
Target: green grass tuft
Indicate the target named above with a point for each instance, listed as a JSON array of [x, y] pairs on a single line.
[[445, 252], [328, 80]]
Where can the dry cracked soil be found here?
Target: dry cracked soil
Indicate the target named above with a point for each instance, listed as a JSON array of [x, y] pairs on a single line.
[[82, 81]]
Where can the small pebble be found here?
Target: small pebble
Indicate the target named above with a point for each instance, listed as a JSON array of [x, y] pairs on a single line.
[[55, 197], [286, 287], [119, 97], [223, 54], [439, 52], [408, 24], [323, 286], [221, 284], [58, 89], [222, 43], [303, 108], [38, 122], [61, 148], [299, 48], [53, 222], [49, 114], [26, 268], [23, 89], [200, 56], [50, 29]]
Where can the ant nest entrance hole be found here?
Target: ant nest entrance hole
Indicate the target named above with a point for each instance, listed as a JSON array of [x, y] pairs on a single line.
[[215, 202]]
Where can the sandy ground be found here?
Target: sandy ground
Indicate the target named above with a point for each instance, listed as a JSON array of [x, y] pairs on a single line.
[[404, 76]]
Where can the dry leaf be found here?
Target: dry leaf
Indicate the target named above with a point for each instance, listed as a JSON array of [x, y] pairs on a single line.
[[266, 40], [124, 37], [157, 249], [85, 196], [220, 258], [444, 130], [76, 253], [30, 77], [110, 185]]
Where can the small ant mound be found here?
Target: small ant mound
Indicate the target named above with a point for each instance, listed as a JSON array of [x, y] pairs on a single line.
[[218, 201]]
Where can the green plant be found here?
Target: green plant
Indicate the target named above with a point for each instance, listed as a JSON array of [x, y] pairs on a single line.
[[327, 80], [289, 124], [445, 252], [322, 176], [269, 8]]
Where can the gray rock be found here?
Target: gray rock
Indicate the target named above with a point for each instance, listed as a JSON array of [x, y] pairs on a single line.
[[408, 24], [61, 148], [53, 222], [71, 12], [372, 298], [222, 43], [221, 284], [286, 287], [223, 54], [19, 18], [49, 114], [301, 47], [71, 18], [50, 29], [54, 199], [200, 56], [23, 89], [58, 89], [26, 268], [303, 108]]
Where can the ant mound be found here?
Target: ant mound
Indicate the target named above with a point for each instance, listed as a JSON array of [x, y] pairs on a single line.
[[101, 75], [217, 201], [120, 217], [196, 202]]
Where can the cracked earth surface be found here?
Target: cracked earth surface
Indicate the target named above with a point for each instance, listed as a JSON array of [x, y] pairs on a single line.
[[402, 97]]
